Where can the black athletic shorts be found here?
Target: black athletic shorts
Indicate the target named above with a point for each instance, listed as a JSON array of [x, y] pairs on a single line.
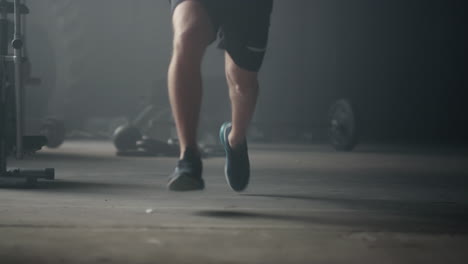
[[242, 27]]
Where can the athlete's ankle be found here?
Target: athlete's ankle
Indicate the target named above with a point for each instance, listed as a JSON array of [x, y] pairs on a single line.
[[235, 141], [190, 154]]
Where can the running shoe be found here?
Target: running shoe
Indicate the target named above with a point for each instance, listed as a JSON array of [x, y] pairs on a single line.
[[187, 176], [237, 166]]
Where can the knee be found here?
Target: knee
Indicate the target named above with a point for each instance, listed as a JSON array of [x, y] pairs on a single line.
[[184, 39], [189, 43]]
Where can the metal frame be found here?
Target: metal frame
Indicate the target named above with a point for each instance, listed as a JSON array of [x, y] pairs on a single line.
[[30, 176]]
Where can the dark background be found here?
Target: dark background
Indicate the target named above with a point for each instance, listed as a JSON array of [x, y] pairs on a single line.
[[403, 64]]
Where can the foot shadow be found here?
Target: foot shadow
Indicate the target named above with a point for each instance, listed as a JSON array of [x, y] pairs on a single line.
[[364, 215]]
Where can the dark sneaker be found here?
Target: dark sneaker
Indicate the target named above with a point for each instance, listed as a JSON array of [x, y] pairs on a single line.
[[237, 167], [187, 176]]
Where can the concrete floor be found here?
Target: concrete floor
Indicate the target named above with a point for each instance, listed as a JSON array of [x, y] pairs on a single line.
[[305, 204]]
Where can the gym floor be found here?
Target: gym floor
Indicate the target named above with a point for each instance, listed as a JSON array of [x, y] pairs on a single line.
[[305, 204]]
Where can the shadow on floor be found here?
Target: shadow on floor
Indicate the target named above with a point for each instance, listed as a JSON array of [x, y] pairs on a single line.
[[414, 149], [66, 156], [366, 215], [71, 186], [408, 208]]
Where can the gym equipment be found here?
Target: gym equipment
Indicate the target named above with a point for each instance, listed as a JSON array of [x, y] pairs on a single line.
[[342, 125], [125, 137], [54, 130], [12, 138], [156, 147], [132, 139]]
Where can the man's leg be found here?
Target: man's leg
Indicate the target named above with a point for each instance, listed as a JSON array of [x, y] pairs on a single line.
[[243, 92], [193, 32], [245, 42]]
